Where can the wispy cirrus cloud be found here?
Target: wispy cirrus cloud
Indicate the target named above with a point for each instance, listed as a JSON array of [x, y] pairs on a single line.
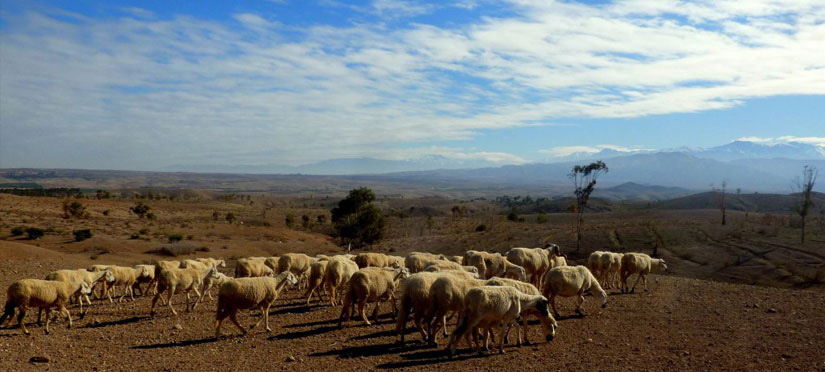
[[145, 87]]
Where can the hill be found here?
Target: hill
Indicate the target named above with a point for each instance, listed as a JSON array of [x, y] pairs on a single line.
[[754, 202]]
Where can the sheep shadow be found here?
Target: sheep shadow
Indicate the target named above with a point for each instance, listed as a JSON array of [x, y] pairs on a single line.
[[429, 357], [310, 324], [291, 310], [299, 334], [384, 333], [362, 351], [133, 319], [175, 344]]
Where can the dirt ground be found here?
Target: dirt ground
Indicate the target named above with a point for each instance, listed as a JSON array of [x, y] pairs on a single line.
[[680, 324]]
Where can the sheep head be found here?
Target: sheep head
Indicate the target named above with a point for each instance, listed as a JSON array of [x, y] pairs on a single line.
[[108, 276]]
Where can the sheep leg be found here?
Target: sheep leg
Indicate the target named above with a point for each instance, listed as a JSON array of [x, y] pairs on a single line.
[[109, 292], [234, 319], [131, 293], [644, 281], [361, 305], [553, 303], [264, 316], [169, 299], [21, 314], [39, 314], [68, 315], [638, 277], [579, 305], [523, 327], [198, 295], [48, 319], [375, 312], [504, 331]]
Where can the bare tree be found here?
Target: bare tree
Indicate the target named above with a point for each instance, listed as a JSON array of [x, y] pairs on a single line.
[[721, 201], [804, 187], [584, 180]]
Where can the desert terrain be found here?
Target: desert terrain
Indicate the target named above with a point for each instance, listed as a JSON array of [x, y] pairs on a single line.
[[744, 296]]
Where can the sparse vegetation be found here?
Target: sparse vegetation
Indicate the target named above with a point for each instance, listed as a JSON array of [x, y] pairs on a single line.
[[174, 250], [18, 230], [74, 209], [35, 233], [174, 238], [82, 234], [140, 209]]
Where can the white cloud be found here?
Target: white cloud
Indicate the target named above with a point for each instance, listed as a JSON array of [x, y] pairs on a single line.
[[818, 141], [151, 91], [564, 151]]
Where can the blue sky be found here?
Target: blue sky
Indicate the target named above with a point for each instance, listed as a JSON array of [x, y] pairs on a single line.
[[146, 84]]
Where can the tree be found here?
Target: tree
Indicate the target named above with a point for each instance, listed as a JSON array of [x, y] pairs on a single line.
[[357, 220], [584, 180], [74, 209], [804, 187], [721, 200], [306, 222], [140, 209]]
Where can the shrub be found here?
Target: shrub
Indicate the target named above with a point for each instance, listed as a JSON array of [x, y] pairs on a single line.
[[190, 237], [106, 212], [542, 217], [203, 249], [82, 234], [481, 228], [151, 216], [134, 236], [140, 209], [35, 232], [512, 216], [322, 219], [74, 209], [174, 238], [173, 250], [230, 217], [143, 231], [17, 231], [289, 220]]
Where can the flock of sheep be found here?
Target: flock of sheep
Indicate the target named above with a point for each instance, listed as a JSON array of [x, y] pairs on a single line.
[[488, 292]]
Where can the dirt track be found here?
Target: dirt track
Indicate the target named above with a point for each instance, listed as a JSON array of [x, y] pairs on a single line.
[[680, 324]]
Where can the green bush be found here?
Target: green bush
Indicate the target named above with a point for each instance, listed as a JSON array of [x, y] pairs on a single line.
[[174, 238], [17, 231], [481, 228], [143, 231], [82, 234], [35, 232], [134, 236]]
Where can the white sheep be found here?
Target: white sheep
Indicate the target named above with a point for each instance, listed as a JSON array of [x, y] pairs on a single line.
[[149, 278], [126, 277], [80, 275], [43, 294], [297, 263], [446, 296], [416, 261], [536, 261], [338, 273], [251, 267], [371, 284], [250, 293], [373, 259], [316, 279], [597, 265], [525, 288], [441, 265], [641, 264], [212, 279], [415, 294], [212, 262], [569, 281], [498, 307], [176, 281]]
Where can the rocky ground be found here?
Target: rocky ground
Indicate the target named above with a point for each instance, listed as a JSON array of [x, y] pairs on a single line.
[[680, 324]]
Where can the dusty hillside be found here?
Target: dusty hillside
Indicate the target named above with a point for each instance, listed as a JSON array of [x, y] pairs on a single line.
[[679, 324]]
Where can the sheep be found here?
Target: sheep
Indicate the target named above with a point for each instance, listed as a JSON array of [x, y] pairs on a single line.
[[297, 263], [397, 261], [338, 273], [488, 307], [525, 288], [249, 293], [568, 281], [438, 265], [457, 259], [316, 279], [148, 278], [213, 278], [126, 277], [43, 294], [416, 261], [614, 270], [251, 267], [533, 260], [641, 264], [597, 265], [321, 257], [194, 264], [372, 259], [80, 275], [175, 281], [498, 265], [374, 284], [415, 293], [446, 295], [270, 262], [212, 262], [104, 287]]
